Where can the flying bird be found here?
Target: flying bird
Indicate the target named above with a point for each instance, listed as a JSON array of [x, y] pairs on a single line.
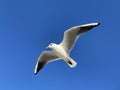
[[62, 50]]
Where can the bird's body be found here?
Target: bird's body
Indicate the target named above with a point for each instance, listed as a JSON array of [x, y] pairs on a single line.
[[62, 50], [59, 51]]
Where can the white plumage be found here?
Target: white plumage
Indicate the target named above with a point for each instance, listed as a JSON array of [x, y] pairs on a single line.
[[62, 50]]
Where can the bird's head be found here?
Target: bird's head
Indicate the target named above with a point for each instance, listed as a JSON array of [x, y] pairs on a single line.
[[51, 45]]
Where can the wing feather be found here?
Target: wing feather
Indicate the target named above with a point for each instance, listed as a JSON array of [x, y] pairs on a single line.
[[71, 35], [44, 58]]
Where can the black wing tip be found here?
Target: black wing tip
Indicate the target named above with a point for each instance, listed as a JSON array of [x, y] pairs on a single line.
[[98, 23], [35, 73], [39, 66]]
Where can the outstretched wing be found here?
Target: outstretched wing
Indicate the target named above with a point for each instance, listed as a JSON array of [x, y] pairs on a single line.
[[71, 35], [44, 58]]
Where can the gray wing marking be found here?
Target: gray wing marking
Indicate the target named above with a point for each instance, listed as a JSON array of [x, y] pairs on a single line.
[[71, 35], [43, 59]]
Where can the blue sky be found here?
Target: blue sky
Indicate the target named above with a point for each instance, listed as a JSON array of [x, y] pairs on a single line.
[[28, 26]]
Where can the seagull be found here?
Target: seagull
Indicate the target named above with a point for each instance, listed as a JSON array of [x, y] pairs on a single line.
[[62, 50]]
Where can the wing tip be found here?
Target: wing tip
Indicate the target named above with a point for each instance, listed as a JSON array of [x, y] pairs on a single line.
[[95, 24], [35, 73], [91, 24], [98, 23]]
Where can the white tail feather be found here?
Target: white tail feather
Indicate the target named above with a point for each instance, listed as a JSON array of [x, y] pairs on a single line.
[[71, 62]]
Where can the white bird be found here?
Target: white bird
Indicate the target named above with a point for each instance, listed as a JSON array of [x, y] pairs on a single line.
[[62, 50]]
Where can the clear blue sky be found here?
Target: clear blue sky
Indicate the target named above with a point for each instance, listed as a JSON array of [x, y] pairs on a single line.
[[28, 26]]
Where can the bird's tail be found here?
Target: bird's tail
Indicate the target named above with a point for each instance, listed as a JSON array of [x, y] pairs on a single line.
[[71, 62]]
